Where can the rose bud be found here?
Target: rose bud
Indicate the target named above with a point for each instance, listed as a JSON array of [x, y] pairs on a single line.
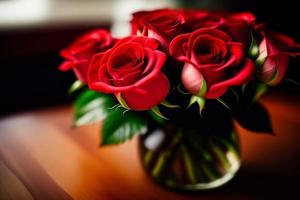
[[274, 53], [79, 54], [132, 71]]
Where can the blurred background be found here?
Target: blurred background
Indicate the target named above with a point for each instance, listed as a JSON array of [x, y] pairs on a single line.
[[32, 32]]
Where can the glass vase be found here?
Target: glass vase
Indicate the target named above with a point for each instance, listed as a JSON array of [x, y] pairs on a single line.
[[189, 158]]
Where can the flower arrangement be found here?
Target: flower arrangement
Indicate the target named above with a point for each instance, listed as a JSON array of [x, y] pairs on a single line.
[[189, 67]]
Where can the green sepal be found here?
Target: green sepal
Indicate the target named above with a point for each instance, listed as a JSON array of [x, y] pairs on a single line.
[[77, 85], [253, 50], [169, 105], [199, 100], [203, 89], [121, 125], [261, 88], [157, 112], [155, 117], [236, 95], [180, 90], [122, 101], [223, 103], [274, 77], [91, 106], [244, 86], [261, 59], [296, 83]]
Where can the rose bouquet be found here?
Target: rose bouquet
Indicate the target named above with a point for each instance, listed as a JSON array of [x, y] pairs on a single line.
[[179, 79]]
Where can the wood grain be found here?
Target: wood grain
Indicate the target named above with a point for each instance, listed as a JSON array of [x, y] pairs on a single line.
[[42, 157]]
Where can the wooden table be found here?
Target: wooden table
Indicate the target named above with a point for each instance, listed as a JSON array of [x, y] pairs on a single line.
[[42, 157]]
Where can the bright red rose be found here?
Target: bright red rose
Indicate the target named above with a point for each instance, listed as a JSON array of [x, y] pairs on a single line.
[[238, 25], [132, 69], [162, 25], [212, 56], [79, 54], [275, 50]]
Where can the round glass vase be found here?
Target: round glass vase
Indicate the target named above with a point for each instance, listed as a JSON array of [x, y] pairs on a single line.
[[188, 158]]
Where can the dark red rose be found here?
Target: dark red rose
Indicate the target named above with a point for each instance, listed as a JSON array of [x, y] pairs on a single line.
[[212, 56], [79, 54], [196, 19], [132, 69], [238, 25], [162, 25], [275, 50]]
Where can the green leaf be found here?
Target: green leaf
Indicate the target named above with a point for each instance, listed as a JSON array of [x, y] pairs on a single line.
[[119, 126], [91, 106], [253, 50], [255, 118], [77, 85]]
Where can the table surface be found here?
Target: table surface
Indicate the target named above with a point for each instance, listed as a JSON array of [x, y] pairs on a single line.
[[42, 157]]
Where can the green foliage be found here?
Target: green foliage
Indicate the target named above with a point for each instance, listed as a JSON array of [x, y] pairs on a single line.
[[255, 118], [91, 106], [121, 125]]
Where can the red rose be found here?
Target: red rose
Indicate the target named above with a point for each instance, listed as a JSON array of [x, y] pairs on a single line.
[[79, 54], [238, 25], [162, 25], [275, 50], [132, 69], [196, 19], [211, 55]]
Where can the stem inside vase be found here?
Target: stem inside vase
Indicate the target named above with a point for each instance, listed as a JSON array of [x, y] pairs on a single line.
[[188, 159]]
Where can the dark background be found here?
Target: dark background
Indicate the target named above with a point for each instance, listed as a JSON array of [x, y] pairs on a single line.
[[29, 57]]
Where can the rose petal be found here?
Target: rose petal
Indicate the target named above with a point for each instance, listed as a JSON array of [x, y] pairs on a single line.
[[81, 69], [100, 79], [147, 42], [66, 65], [177, 48], [192, 79], [243, 16], [240, 78], [155, 92], [275, 62], [236, 56], [157, 66]]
